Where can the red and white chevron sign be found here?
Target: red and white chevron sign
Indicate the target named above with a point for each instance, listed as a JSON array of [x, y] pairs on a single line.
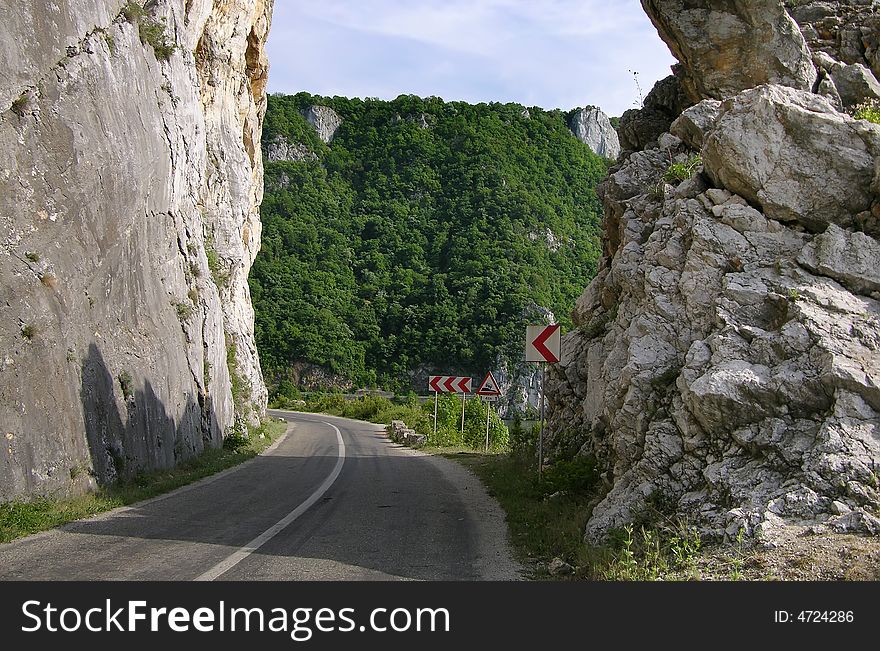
[[449, 384], [543, 343]]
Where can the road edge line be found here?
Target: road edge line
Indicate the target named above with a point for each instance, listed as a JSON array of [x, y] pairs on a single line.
[[238, 556]]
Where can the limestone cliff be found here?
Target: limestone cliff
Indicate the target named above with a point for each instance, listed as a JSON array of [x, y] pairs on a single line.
[[593, 128], [725, 365], [130, 181]]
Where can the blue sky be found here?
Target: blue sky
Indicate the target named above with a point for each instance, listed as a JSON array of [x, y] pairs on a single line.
[[547, 53]]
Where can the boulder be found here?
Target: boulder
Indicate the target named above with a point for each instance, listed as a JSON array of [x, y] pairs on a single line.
[[641, 127], [854, 84], [849, 258], [792, 154], [693, 124], [728, 47]]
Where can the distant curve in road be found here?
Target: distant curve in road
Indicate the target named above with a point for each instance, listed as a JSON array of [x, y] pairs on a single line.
[[333, 500]]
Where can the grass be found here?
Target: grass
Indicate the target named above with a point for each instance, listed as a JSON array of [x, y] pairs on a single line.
[[678, 172], [868, 110], [420, 417], [127, 384], [546, 520], [541, 528], [184, 311], [152, 32], [22, 518]]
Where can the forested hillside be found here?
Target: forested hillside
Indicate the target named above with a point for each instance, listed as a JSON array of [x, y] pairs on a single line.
[[421, 238]]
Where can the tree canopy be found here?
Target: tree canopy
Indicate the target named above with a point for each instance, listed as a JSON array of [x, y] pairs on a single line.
[[419, 238]]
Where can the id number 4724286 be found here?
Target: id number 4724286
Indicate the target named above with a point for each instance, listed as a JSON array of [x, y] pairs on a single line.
[[814, 616]]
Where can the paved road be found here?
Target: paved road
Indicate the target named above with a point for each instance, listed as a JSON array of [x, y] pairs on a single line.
[[334, 500]]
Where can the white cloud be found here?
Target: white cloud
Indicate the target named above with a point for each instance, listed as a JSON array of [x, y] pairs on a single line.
[[551, 53]]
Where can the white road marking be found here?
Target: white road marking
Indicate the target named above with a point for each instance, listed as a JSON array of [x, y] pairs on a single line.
[[237, 557]]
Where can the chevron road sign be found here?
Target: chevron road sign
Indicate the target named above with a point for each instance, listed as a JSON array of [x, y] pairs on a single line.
[[543, 343], [450, 384]]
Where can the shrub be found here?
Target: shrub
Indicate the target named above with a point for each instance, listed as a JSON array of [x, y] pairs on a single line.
[[579, 474], [132, 11], [127, 384], [219, 273], [868, 110], [678, 172], [184, 310], [235, 441], [28, 331], [152, 32]]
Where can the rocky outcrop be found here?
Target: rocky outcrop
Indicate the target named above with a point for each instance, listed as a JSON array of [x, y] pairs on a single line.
[[727, 47], [791, 154], [593, 128], [725, 364], [129, 220], [641, 127], [281, 149], [325, 120]]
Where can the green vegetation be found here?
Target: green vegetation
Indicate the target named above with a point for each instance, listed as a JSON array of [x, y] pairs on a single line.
[[678, 172], [241, 387], [219, 273], [420, 417], [132, 11], [184, 310], [152, 32], [28, 331], [547, 519], [868, 110], [32, 256], [406, 247], [21, 518], [793, 295], [127, 384], [19, 104]]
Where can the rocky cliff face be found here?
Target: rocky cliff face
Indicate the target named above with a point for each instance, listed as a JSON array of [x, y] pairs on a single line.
[[725, 366], [593, 128], [129, 193]]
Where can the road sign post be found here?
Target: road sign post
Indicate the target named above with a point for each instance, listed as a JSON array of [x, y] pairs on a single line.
[[449, 384], [541, 435], [488, 408], [490, 391], [543, 344], [463, 401]]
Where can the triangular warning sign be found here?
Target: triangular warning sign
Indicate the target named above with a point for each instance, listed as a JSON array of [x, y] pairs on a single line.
[[489, 387]]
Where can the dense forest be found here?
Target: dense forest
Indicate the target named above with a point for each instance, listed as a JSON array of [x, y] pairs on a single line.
[[421, 239]]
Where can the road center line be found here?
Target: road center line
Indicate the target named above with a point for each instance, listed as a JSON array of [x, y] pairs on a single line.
[[237, 557]]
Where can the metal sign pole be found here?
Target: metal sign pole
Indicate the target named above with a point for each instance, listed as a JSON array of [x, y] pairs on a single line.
[[463, 400], [436, 395], [541, 435], [488, 407]]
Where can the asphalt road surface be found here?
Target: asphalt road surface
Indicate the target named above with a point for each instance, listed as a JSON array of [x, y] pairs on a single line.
[[333, 500]]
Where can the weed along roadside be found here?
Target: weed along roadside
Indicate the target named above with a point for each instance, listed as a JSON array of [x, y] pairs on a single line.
[[22, 518]]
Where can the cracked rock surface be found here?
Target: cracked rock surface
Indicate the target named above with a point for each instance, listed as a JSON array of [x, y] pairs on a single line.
[[725, 364], [130, 181]]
